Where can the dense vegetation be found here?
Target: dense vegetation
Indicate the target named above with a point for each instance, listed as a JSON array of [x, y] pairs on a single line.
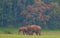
[[16, 13]]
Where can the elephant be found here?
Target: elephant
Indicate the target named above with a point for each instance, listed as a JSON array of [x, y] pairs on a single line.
[[23, 30], [36, 29], [30, 30], [26, 30]]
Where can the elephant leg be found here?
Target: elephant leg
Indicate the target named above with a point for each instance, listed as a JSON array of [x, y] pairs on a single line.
[[40, 32], [36, 33], [19, 31], [23, 33], [30, 33]]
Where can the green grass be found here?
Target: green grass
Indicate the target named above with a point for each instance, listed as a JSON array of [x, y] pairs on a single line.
[[44, 34], [9, 29], [26, 36]]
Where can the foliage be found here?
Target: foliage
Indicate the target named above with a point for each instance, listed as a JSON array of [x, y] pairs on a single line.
[[16, 13]]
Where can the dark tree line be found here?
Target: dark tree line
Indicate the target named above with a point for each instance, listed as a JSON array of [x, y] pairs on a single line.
[[16, 13]]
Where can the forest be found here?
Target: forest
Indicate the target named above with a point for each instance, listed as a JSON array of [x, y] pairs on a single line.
[[17, 13]]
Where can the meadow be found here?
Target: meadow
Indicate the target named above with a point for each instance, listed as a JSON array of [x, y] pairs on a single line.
[[13, 33]]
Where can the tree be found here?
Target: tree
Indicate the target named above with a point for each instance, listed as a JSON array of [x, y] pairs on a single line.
[[36, 12]]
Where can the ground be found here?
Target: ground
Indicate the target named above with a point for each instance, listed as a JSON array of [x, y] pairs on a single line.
[[12, 33]]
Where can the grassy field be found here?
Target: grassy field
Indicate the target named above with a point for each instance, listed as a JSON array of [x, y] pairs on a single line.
[[26, 36], [12, 33]]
